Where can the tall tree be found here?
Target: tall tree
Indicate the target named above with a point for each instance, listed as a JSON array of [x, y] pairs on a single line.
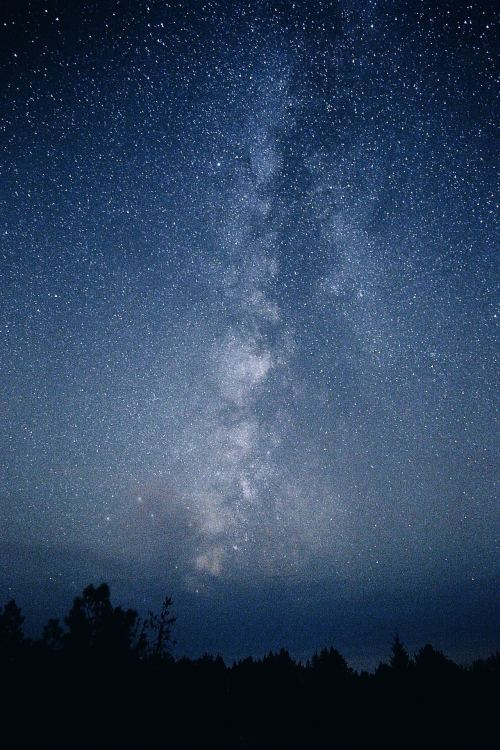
[[97, 628], [400, 659], [11, 632], [155, 639]]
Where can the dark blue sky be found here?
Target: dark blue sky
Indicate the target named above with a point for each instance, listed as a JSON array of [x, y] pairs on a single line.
[[248, 319]]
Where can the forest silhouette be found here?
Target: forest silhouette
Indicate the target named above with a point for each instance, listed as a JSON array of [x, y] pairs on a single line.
[[106, 677]]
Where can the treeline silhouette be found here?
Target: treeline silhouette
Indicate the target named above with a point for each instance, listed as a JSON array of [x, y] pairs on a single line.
[[106, 678]]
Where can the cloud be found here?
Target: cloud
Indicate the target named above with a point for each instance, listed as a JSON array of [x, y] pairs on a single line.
[[210, 561]]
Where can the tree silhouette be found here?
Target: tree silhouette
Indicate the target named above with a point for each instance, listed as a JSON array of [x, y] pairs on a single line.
[[96, 628], [400, 659], [110, 668], [53, 635], [155, 634], [431, 662], [330, 662], [11, 632]]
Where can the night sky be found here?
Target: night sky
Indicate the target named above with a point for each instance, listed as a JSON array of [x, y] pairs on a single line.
[[248, 321]]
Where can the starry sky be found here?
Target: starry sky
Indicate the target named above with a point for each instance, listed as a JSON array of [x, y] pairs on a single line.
[[248, 317]]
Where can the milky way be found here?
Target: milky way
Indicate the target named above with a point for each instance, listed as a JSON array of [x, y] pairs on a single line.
[[248, 304]]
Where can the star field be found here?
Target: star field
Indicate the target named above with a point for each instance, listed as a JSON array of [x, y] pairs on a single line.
[[249, 299]]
